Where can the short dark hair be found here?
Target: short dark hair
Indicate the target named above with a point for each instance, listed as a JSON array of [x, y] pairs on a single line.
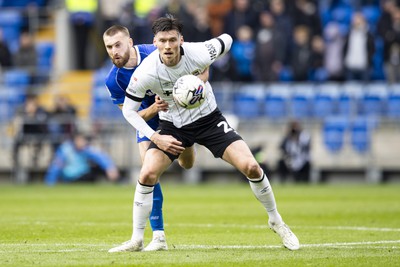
[[113, 30], [167, 23]]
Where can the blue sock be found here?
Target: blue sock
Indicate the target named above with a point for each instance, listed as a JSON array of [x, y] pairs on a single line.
[[156, 216]]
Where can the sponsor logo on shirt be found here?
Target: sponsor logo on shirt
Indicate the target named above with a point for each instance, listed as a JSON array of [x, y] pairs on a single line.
[[211, 50]]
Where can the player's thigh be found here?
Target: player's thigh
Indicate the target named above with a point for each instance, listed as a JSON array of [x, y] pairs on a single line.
[[143, 146], [239, 155], [187, 158], [154, 164]]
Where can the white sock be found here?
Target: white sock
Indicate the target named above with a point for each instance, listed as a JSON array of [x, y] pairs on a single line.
[[142, 205], [263, 191]]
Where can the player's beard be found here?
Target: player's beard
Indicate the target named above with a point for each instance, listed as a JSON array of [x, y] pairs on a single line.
[[119, 63]]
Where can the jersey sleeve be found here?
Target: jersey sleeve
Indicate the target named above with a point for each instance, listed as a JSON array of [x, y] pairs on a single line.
[[212, 49], [117, 93]]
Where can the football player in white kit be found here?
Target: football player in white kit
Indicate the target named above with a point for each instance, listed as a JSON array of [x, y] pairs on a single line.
[[180, 128]]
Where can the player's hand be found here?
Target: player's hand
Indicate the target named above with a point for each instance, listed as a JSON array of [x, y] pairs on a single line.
[[168, 143], [161, 104]]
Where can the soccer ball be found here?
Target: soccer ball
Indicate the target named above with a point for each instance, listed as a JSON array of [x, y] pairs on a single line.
[[189, 91]]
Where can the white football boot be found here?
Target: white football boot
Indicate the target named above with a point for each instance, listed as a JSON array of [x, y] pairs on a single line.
[[289, 239], [129, 246], [158, 243]]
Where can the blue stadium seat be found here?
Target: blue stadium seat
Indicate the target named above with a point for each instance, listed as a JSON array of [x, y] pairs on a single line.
[[374, 100], [246, 106], [325, 100], [301, 101], [393, 104], [371, 14], [102, 107], [45, 52], [361, 128], [349, 98], [17, 78], [11, 23], [275, 106], [276, 101], [333, 132], [342, 14]]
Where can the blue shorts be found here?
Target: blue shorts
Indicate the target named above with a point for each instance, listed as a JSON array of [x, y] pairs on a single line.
[[140, 137]]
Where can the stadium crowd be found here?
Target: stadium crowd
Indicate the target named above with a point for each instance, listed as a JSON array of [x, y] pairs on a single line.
[[274, 40]]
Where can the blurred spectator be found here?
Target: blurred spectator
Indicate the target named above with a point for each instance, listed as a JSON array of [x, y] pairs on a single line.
[[305, 12], [267, 60], [77, 161], [62, 123], [5, 54], [317, 70], [284, 27], [217, 10], [295, 148], [110, 11], [82, 18], [241, 14], [334, 43], [26, 56], [389, 29], [198, 29], [242, 52], [301, 53], [30, 126], [359, 49]]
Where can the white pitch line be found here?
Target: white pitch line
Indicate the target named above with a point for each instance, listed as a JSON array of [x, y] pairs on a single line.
[[105, 247], [241, 226], [352, 228]]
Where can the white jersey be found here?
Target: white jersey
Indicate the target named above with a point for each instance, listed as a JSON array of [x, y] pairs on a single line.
[[153, 75]]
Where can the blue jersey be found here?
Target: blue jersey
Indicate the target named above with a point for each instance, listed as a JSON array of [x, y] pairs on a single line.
[[118, 79]]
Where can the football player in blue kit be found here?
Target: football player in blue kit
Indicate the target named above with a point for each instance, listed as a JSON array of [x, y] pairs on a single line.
[[126, 57]]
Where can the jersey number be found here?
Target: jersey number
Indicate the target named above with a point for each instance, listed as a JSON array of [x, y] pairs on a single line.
[[225, 125]]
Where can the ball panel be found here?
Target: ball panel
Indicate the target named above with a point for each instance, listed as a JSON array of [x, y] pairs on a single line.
[[189, 91]]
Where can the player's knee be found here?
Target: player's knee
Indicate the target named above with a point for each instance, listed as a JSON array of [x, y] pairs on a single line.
[[148, 178], [253, 170]]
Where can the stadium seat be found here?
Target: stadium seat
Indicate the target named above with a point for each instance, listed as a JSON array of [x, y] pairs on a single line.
[[393, 104], [11, 23], [45, 52], [276, 101], [334, 129], [374, 99], [342, 14], [349, 98], [246, 106], [361, 128], [301, 100], [371, 14], [325, 100], [16, 78]]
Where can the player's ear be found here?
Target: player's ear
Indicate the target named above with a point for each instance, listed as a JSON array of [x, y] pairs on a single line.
[[130, 42], [181, 39]]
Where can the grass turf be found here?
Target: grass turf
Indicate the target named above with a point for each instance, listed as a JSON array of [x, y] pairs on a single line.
[[209, 224]]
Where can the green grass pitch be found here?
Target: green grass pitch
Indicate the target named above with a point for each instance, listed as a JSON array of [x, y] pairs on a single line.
[[206, 225]]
